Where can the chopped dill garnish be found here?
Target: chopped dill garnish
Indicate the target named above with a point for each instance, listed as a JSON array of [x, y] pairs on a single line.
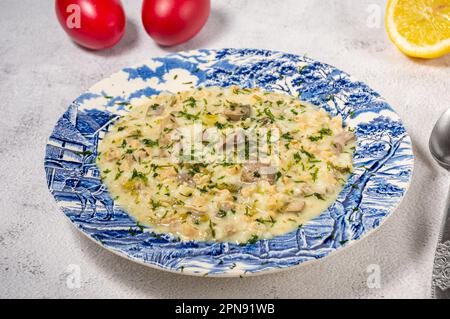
[[278, 175], [155, 204], [188, 116], [268, 220], [317, 195], [211, 228], [138, 175], [310, 156], [269, 114], [190, 101], [287, 136], [314, 174], [253, 239], [149, 142], [220, 125], [322, 133]]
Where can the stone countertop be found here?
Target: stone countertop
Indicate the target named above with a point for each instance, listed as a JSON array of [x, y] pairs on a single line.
[[42, 71]]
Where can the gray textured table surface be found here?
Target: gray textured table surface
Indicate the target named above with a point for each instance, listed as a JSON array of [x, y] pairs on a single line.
[[41, 71]]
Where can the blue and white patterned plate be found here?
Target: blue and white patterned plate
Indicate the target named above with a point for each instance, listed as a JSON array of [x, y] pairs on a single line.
[[383, 160]]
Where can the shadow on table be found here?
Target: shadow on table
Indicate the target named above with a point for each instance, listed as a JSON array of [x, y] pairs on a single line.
[[425, 169], [443, 61], [213, 29]]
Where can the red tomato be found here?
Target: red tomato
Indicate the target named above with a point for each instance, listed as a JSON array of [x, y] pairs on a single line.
[[171, 22], [94, 24]]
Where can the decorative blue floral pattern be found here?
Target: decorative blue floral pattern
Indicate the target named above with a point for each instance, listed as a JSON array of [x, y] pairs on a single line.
[[383, 160]]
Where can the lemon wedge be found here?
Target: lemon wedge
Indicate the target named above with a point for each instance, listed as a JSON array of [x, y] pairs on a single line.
[[419, 28]]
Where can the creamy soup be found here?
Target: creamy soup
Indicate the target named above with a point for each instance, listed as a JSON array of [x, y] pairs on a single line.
[[225, 164]]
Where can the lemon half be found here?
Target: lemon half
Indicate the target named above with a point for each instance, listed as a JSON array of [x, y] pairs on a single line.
[[419, 28]]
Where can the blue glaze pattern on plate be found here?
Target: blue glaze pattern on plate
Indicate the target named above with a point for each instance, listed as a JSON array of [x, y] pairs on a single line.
[[383, 160]]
